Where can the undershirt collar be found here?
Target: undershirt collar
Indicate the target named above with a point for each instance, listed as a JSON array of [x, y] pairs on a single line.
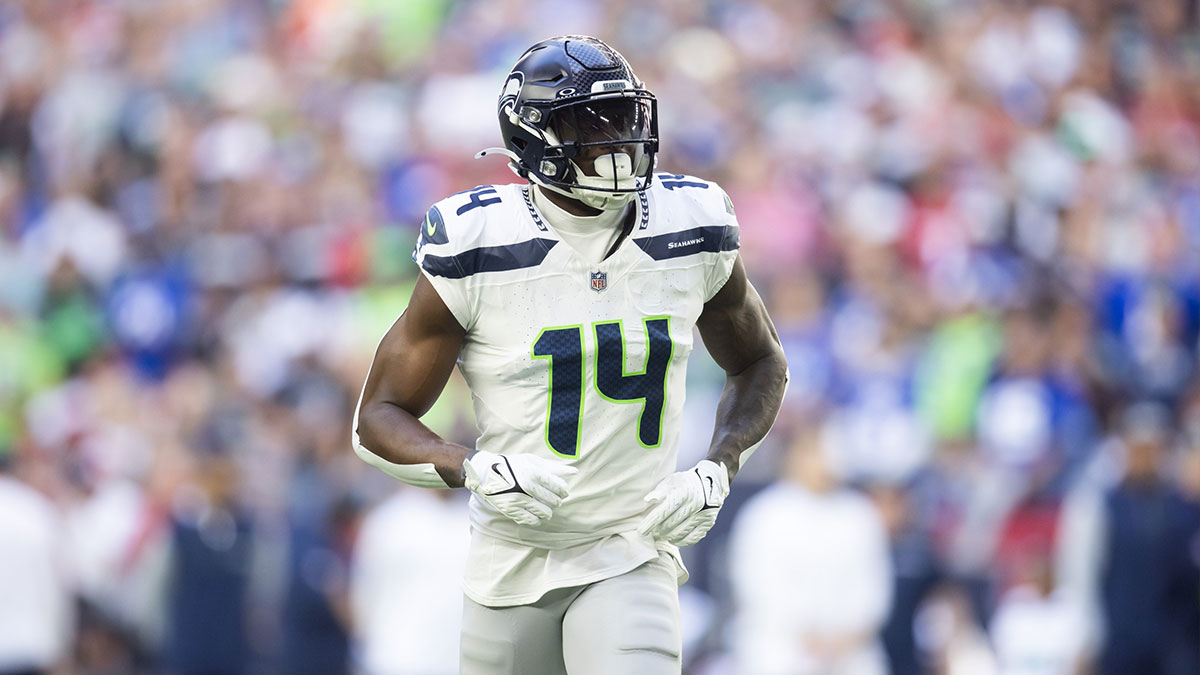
[[592, 237]]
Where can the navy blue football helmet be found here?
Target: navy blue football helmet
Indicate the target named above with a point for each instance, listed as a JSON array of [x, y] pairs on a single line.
[[576, 119]]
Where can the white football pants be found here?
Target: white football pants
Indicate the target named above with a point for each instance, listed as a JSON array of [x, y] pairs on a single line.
[[626, 624]]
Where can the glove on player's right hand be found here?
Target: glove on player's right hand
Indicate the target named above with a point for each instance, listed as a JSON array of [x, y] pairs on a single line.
[[525, 488]]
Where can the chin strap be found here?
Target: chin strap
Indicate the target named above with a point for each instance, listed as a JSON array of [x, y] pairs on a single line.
[[605, 201]]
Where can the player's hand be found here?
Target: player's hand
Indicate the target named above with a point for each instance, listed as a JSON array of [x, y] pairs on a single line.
[[525, 488], [686, 504]]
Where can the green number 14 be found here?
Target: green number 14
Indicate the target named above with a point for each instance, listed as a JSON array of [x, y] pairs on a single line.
[[563, 347]]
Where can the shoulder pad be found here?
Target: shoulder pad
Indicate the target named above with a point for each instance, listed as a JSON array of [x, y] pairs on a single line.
[[473, 231], [454, 224], [693, 216], [706, 197]]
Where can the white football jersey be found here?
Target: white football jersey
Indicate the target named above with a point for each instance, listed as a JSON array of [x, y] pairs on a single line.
[[582, 363]]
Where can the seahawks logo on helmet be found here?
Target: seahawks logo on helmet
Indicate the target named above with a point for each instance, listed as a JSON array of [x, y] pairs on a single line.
[[512, 87]]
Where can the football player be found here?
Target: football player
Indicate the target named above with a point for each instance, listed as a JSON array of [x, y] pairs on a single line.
[[568, 302]]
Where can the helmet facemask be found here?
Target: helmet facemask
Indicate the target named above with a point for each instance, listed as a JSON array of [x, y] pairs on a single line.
[[600, 149], [597, 149]]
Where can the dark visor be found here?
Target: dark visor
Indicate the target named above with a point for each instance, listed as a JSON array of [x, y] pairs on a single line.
[[594, 127], [604, 120]]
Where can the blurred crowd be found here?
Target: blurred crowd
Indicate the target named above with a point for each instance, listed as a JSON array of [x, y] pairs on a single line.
[[976, 224]]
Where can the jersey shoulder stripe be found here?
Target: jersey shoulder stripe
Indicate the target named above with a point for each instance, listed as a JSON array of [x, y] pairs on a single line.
[[691, 216], [505, 258], [483, 229], [706, 239]]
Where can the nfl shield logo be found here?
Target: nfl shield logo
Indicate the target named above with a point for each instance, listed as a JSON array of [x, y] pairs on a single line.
[[599, 281]]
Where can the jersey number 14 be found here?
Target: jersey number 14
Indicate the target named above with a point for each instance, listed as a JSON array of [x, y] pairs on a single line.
[[563, 347]]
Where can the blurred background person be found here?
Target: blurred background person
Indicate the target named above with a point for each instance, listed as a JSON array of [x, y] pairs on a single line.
[[36, 617], [811, 572], [950, 633], [916, 571], [1038, 629], [208, 600], [1141, 531], [316, 613], [322, 517], [405, 594]]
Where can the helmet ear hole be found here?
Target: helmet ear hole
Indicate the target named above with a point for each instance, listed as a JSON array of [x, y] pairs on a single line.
[[531, 115], [519, 143]]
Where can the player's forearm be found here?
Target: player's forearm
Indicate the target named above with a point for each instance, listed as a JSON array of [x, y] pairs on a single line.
[[398, 437], [749, 404]]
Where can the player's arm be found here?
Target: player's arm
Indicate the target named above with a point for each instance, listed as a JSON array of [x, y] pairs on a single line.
[[739, 335], [411, 367], [410, 370], [741, 338]]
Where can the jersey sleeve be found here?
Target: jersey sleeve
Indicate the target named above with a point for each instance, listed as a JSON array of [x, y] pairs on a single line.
[[436, 255], [721, 267]]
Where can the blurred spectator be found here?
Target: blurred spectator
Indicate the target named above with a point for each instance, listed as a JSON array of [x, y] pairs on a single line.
[[36, 621], [1142, 531], [1038, 630], [404, 584], [208, 599], [323, 517], [811, 573], [316, 639], [1015, 414], [948, 630], [916, 573]]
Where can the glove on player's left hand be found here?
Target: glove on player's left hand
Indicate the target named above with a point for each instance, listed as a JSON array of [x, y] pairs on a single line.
[[686, 504]]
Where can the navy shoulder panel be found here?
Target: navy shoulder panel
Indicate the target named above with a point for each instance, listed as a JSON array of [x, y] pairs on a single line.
[[433, 230], [489, 259], [709, 239], [463, 252]]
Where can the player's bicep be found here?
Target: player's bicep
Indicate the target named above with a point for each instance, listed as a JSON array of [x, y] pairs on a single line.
[[416, 356], [735, 326]]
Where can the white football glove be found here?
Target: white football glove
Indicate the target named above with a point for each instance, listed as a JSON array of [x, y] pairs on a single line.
[[525, 488], [686, 504]]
